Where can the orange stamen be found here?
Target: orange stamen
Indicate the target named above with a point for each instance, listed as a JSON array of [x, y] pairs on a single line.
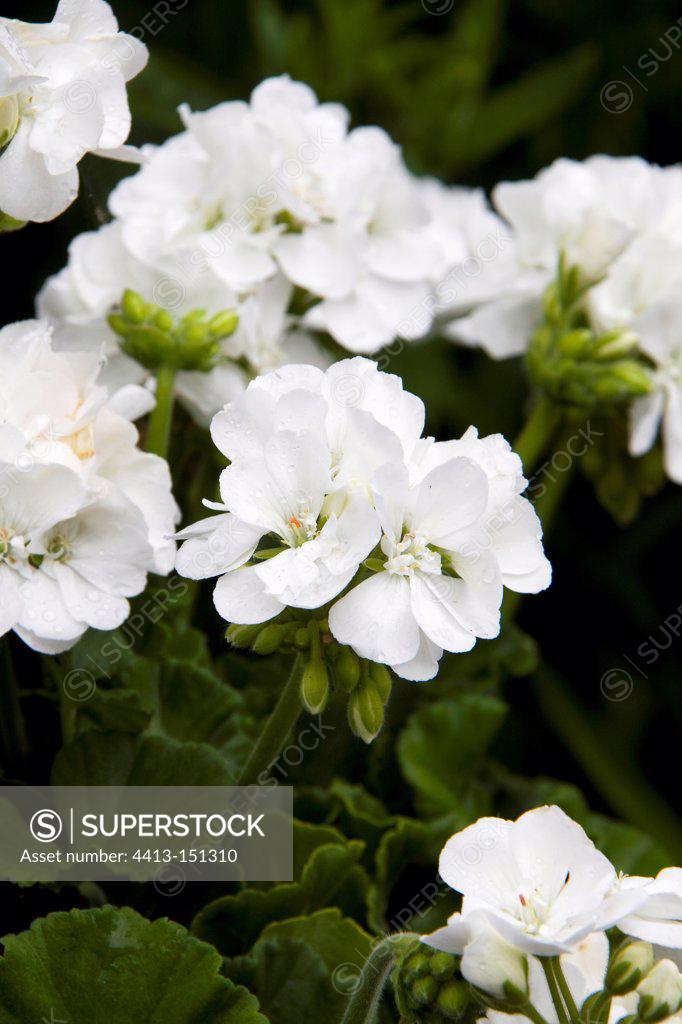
[[294, 522]]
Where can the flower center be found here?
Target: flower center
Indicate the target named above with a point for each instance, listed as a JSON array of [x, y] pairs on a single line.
[[301, 527], [58, 548], [409, 555], [530, 908]]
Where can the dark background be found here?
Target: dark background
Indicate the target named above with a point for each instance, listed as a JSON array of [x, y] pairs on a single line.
[[475, 92]]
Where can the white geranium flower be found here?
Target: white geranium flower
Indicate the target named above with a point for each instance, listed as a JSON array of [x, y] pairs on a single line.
[[451, 540], [591, 212], [89, 565], [85, 514], [539, 881], [333, 465], [373, 261], [64, 95], [642, 294]]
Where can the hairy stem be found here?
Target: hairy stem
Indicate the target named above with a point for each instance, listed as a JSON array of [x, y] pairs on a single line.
[[158, 432], [364, 1002], [276, 732]]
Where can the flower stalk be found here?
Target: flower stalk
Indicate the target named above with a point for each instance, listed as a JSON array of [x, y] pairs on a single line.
[[160, 421], [282, 720]]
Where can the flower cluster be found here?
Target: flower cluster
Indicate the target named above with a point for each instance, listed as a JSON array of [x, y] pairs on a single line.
[[538, 900], [591, 251], [84, 515], [273, 207], [63, 88], [336, 504]]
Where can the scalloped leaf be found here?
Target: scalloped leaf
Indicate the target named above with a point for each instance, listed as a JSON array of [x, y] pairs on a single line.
[[114, 966]]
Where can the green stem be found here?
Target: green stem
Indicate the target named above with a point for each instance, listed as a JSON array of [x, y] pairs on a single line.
[[537, 432], [158, 432], [617, 781], [12, 729], [547, 967], [529, 1011], [364, 1002], [573, 1011], [277, 728]]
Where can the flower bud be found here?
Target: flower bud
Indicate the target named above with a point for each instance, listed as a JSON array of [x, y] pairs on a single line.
[[628, 966], [365, 712], [381, 678], [577, 343], [615, 344], [222, 325], [302, 639], [134, 306], [347, 669], [269, 639], [243, 636], [442, 965], [315, 686], [424, 990], [8, 223], [660, 993], [454, 999]]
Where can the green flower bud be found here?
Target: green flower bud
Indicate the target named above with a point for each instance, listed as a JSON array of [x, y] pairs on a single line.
[[222, 325], [163, 320], [302, 639], [315, 686], [381, 677], [8, 223], [454, 999], [347, 669], [417, 965], [615, 344], [118, 324], [148, 345], [134, 306], [660, 993], [242, 636], [269, 639], [577, 343], [628, 966], [365, 712], [442, 965], [424, 990]]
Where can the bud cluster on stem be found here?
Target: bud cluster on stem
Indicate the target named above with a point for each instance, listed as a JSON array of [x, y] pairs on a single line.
[[573, 363], [325, 663]]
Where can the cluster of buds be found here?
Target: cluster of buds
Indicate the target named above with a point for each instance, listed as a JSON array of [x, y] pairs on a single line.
[[576, 365], [152, 336], [326, 664], [429, 988], [658, 986]]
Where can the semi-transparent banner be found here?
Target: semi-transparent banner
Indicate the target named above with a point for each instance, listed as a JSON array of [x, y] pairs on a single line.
[[145, 833]]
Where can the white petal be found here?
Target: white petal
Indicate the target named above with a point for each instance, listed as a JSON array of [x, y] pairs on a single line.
[[240, 597], [27, 190], [376, 620], [425, 663], [645, 417], [672, 434], [224, 546], [450, 498]]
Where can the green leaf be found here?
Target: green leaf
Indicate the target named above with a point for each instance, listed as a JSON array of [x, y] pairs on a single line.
[[409, 844], [523, 106], [112, 966], [233, 923], [440, 752], [299, 968], [118, 759], [291, 980]]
